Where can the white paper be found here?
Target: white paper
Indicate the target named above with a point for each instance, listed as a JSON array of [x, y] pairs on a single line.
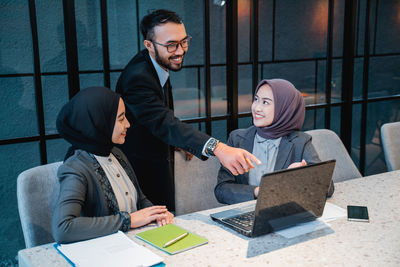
[[112, 250], [331, 212]]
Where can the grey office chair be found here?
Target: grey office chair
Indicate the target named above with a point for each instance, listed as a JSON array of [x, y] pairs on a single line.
[[329, 146], [37, 193], [194, 184], [390, 135]]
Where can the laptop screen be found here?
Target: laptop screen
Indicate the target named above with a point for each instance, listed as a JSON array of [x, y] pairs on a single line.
[[291, 196]]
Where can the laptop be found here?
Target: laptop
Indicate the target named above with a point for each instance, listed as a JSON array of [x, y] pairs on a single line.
[[286, 198]]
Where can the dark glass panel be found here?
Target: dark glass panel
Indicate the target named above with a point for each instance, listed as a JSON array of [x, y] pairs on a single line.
[[265, 13], [245, 90], [217, 33], [301, 29], [218, 91], [18, 158], [320, 118], [55, 95], [219, 130], [388, 27], [18, 113], [336, 82], [309, 123], [244, 30], [338, 23], [15, 38], [384, 76], [360, 27], [335, 119], [189, 100], [50, 23], [245, 122], [114, 76], [91, 79], [56, 149], [358, 78], [122, 32], [88, 35], [356, 135]]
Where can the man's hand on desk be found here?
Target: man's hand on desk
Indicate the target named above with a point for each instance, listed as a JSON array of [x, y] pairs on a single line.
[[160, 214], [236, 160]]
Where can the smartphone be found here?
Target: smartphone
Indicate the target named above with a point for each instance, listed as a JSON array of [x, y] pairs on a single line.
[[357, 213]]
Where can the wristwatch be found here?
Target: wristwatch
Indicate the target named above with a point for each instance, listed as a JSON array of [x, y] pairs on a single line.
[[211, 145]]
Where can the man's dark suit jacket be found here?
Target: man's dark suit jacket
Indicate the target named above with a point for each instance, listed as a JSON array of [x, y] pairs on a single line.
[[293, 147], [154, 129]]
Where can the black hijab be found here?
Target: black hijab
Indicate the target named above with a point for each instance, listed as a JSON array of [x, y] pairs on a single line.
[[87, 120]]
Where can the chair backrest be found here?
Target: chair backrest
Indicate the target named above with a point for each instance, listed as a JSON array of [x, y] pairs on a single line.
[[37, 193], [194, 184], [390, 135], [329, 146]]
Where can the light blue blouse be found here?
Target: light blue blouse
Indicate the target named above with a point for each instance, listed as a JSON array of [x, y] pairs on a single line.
[[265, 150]]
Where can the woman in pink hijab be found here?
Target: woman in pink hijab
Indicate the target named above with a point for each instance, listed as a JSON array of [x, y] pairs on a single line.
[[278, 111]]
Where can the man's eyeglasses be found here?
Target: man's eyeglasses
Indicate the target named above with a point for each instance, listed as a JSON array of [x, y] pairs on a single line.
[[172, 47]]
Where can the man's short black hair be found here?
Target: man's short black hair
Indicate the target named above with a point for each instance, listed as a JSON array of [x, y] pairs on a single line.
[[155, 18]]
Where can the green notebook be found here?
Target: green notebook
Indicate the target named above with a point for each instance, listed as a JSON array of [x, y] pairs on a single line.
[[161, 235]]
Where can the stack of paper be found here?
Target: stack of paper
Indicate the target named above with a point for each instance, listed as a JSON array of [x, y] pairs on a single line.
[[112, 250]]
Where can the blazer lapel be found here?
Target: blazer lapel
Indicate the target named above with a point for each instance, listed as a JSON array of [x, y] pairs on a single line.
[[248, 139], [283, 153]]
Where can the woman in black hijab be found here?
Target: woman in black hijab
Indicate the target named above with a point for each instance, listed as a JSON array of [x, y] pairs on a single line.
[[99, 192]]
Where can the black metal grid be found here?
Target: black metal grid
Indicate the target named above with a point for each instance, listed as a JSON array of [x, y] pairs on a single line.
[[351, 23]]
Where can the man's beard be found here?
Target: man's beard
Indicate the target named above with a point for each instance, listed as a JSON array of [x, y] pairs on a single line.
[[165, 63]]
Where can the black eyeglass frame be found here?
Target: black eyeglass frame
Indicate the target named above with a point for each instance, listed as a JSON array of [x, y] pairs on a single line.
[[174, 46]]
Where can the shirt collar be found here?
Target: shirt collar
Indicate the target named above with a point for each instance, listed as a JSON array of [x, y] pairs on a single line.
[[274, 142], [161, 73]]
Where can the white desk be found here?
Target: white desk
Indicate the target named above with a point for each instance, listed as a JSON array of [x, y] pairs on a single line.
[[344, 244]]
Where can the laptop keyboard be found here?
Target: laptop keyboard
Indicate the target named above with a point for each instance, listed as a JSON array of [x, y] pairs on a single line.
[[243, 220]]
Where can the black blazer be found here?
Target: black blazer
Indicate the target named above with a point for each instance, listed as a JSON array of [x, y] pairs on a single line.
[[154, 128]]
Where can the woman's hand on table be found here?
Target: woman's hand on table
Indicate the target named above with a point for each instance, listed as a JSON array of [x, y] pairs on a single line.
[[166, 219], [148, 215], [297, 164]]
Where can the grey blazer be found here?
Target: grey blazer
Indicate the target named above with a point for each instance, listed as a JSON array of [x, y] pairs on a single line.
[[294, 147], [87, 207]]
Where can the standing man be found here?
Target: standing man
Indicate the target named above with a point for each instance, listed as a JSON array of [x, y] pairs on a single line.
[[145, 87]]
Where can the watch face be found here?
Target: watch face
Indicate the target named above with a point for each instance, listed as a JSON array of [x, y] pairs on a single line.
[[211, 146]]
